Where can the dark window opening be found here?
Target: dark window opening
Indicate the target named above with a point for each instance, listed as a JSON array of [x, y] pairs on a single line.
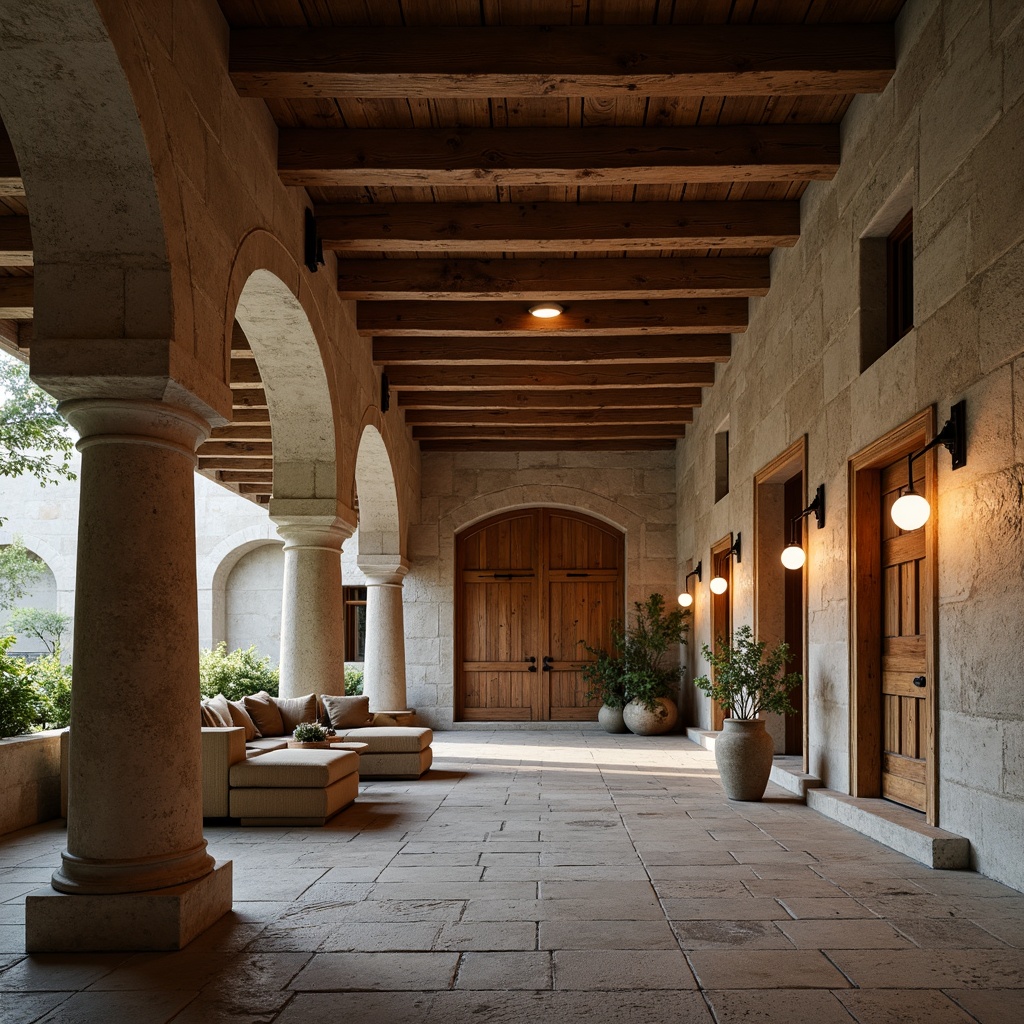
[[355, 622], [721, 464], [900, 280]]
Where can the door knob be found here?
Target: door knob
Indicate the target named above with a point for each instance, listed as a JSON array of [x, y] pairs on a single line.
[[547, 662], [920, 681], [532, 663]]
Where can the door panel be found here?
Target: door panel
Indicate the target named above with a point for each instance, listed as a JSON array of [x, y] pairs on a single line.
[[904, 702], [532, 584]]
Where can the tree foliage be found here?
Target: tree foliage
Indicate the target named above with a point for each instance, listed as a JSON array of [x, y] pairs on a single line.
[[236, 674], [22, 705], [19, 570], [34, 438], [45, 625]]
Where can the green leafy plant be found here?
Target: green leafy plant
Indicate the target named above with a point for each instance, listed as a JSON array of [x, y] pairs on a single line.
[[353, 682], [19, 570], [54, 682], [635, 669], [46, 626], [236, 674], [746, 680], [309, 732], [21, 703]]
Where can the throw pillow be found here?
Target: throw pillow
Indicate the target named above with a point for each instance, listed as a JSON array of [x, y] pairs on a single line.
[[265, 714], [220, 709], [347, 712], [207, 719], [239, 716], [296, 710]]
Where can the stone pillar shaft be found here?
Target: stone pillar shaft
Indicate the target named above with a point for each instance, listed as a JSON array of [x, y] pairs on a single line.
[[135, 807], [312, 610], [384, 679]]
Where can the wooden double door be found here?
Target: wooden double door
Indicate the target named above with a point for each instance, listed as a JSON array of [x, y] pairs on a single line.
[[530, 585]]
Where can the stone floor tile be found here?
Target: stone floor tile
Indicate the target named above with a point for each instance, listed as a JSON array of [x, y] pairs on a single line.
[[771, 1006], [590, 970], [998, 1006], [606, 935], [424, 873], [454, 890], [843, 933], [279, 884], [495, 972], [26, 1007], [53, 972], [487, 935], [370, 937], [696, 889], [618, 889], [902, 1005], [402, 910], [927, 968], [410, 972], [12, 938], [936, 933], [357, 1007], [747, 908], [796, 968], [824, 907], [730, 935], [104, 1007], [807, 887], [553, 910]]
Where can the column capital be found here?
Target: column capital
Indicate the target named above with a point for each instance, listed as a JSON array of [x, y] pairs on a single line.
[[327, 532], [383, 569], [133, 421]]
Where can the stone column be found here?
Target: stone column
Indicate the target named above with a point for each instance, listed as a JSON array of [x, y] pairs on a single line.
[[312, 609], [135, 775], [384, 651]]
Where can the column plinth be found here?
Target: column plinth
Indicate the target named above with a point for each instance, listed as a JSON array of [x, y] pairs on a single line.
[[384, 680]]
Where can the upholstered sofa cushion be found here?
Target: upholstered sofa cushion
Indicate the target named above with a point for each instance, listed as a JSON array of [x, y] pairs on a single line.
[[263, 710], [389, 740], [265, 743], [346, 712], [395, 766], [290, 807], [294, 769], [216, 712], [239, 716], [295, 711]]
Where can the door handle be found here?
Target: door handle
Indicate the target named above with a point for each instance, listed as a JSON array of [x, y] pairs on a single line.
[[547, 662], [920, 681], [532, 663]]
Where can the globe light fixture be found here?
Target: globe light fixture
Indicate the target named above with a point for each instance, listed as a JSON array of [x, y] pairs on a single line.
[[719, 584], [546, 310], [910, 511], [794, 556], [686, 598]]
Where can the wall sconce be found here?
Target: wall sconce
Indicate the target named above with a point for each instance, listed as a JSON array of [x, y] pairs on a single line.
[[719, 584], [686, 598], [794, 556], [911, 510]]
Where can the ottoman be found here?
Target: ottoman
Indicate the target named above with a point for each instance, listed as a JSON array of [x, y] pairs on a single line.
[[293, 787], [392, 752]]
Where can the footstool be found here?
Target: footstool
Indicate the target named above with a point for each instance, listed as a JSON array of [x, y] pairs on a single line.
[[293, 787], [392, 752]]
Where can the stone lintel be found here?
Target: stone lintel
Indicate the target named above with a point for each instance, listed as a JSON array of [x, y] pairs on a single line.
[[383, 569], [161, 919]]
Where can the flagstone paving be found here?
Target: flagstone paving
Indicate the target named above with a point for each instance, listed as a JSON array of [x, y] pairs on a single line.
[[549, 877]]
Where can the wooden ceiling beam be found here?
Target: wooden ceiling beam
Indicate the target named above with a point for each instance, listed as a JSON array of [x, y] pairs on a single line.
[[556, 227], [472, 376], [572, 432], [595, 60], [534, 280], [540, 417], [237, 449], [429, 157], [218, 463], [10, 173], [239, 476], [254, 416], [250, 398], [636, 444], [508, 319], [245, 374], [256, 488], [15, 242], [642, 348], [241, 432], [16, 296], [574, 398]]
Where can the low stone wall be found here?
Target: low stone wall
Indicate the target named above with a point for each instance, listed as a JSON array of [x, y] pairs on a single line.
[[29, 780]]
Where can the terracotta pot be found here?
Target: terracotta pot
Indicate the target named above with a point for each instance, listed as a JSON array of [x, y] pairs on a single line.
[[611, 719], [743, 753], [650, 723]]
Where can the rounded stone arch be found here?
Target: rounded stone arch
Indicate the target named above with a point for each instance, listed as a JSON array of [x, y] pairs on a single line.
[[90, 183], [380, 527], [283, 328], [62, 567]]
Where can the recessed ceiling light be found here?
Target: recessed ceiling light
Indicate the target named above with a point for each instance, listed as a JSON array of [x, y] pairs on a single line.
[[546, 310]]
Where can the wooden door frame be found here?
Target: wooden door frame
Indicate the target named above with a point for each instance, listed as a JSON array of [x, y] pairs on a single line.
[[718, 549], [783, 467], [866, 607]]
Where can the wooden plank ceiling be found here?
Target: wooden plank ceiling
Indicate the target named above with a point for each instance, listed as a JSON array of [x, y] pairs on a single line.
[[635, 161]]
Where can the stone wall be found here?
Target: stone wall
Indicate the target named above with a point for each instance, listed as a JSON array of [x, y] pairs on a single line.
[[944, 137], [632, 490]]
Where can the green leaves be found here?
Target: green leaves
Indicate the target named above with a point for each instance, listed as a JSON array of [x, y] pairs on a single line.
[[746, 681], [46, 626], [22, 704], [237, 674], [19, 570]]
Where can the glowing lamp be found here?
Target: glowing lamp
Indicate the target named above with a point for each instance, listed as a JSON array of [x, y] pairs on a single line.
[[910, 511], [546, 310], [719, 585], [686, 599], [793, 557]]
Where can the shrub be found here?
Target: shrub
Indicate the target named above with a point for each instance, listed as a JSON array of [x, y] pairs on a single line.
[[236, 674], [54, 682], [309, 732], [21, 703], [353, 682]]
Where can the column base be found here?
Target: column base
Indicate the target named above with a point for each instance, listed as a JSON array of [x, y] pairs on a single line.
[[161, 919]]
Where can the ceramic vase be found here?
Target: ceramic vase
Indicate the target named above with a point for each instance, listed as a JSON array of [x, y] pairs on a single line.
[[611, 719], [650, 723], [743, 753]]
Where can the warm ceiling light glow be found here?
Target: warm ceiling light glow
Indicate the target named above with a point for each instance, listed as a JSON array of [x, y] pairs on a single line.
[[793, 557], [911, 511], [686, 599], [547, 310], [719, 585]]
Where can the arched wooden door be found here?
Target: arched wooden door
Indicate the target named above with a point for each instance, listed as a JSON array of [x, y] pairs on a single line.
[[531, 584]]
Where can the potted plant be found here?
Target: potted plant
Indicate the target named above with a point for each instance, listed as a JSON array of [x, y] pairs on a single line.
[[607, 683], [636, 679], [309, 734], [746, 681]]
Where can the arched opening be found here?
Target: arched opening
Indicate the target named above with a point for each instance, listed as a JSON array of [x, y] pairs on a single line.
[[379, 532], [42, 596], [252, 601]]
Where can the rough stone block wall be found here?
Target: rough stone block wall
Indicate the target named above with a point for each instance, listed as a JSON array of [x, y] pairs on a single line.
[[633, 490], [947, 135]]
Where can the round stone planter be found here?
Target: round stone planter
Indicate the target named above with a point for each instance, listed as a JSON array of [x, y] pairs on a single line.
[[743, 753], [611, 719], [650, 723]]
